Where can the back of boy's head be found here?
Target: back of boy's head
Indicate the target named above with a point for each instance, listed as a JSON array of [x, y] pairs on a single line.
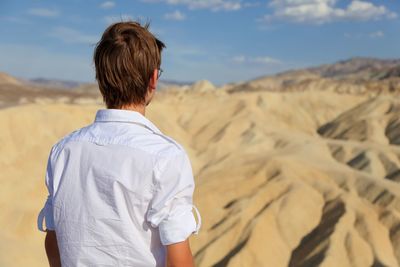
[[125, 59]]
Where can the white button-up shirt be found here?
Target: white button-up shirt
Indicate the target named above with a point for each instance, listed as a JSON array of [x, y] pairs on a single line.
[[119, 191]]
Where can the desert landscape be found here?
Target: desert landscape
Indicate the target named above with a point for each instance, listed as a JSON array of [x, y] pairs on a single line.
[[301, 168]]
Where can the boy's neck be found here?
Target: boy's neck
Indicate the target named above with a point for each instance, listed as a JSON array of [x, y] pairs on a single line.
[[139, 108]]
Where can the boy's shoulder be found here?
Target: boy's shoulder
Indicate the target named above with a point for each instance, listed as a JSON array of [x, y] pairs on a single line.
[[176, 146], [167, 145], [59, 145]]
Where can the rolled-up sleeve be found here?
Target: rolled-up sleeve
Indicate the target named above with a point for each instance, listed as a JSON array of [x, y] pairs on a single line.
[[172, 204], [46, 213]]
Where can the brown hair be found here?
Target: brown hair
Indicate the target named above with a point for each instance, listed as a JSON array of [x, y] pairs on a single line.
[[125, 59]]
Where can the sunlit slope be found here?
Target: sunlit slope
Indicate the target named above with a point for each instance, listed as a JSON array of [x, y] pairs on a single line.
[[276, 194]]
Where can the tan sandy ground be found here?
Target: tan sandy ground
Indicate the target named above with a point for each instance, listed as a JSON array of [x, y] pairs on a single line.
[[273, 190]]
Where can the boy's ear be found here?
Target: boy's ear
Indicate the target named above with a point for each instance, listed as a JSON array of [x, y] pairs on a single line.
[[153, 80]]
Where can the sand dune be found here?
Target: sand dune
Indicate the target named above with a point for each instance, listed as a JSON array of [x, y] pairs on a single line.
[[308, 178]]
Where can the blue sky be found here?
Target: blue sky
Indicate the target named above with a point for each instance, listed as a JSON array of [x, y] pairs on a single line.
[[219, 40]]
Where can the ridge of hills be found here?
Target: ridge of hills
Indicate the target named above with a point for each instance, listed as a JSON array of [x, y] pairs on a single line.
[[361, 68], [353, 76], [356, 76]]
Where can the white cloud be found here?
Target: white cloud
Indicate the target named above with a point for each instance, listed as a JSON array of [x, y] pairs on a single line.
[[362, 10], [184, 51], [43, 12], [352, 35], [377, 34], [265, 60], [239, 59], [176, 15], [251, 4], [373, 35], [214, 5], [69, 35], [258, 60], [16, 20], [323, 11], [107, 5], [118, 18]]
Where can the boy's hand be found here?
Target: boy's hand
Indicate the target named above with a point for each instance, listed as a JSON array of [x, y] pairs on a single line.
[[52, 251], [179, 255]]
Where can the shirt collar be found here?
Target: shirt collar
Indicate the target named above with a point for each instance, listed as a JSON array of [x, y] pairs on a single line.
[[123, 115]]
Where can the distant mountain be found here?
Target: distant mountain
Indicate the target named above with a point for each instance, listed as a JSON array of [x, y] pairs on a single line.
[[8, 79], [359, 68], [54, 83], [353, 76], [163, 84], [70, 84], [356, 75]]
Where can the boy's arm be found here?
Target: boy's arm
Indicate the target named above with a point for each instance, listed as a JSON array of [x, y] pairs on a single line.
[[52, 251], [179, 255], [171, 207]]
